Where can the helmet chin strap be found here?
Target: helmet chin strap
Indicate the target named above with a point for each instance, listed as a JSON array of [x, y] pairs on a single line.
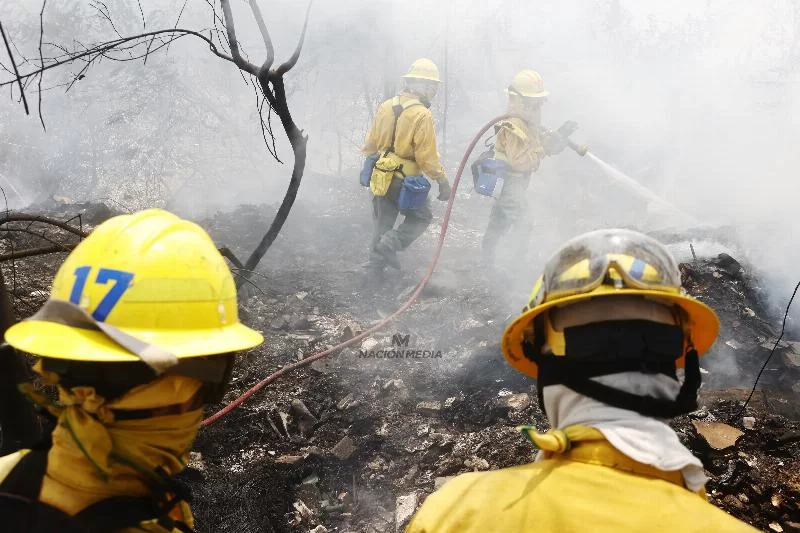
[[613, 347], [684, 403]]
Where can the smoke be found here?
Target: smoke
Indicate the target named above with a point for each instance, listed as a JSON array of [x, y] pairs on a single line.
[[695, 100]]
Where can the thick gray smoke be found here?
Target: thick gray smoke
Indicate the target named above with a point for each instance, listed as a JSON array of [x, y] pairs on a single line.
[[695, 100]]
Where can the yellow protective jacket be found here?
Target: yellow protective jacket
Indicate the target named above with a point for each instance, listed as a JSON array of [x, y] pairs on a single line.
[[70, 499], [97, 455], [519, 145], [415, 139], [590, 488]]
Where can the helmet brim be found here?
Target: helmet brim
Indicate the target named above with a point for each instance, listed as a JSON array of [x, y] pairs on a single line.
[[703, 322], [426, 78], [541, 94], [58, 341]]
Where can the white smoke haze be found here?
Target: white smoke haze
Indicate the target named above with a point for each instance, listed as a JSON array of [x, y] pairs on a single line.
[[695, 100]]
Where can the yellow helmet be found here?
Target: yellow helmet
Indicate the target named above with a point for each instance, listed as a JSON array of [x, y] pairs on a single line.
[[139, 284], [527, 83], [606, 263], [423, 69]]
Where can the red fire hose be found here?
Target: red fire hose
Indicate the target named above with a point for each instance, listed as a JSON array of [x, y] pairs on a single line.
[[288, 368]]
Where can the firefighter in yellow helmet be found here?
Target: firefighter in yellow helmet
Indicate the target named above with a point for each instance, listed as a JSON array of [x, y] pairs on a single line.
[[401, 152], [604, 333], [521, 142], [139, 333]]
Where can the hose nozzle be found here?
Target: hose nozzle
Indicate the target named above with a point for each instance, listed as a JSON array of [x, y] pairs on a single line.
[[580, 149]]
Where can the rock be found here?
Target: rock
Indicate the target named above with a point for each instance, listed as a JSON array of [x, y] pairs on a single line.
[[429, 408], [302, 511], [350, 330], [733, 344], [517, 402], [305, 420], [345, 497], [476, 463], [319, 529], [347, 402], [300, 323], [404, 510], [448, 403], [749, 422], [289, 459], [412, 473], [278, 323], [774, 526], [718, 435], [313, 479], [377, 464], [344, 448], [439, 481], [301, 295], [732, 501], [325, 365], [729, 265], [791, 358], [448, 466], [313, 451], [369, 344]]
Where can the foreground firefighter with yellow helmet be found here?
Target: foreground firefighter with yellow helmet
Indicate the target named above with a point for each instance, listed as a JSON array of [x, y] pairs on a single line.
[[139, 333], [401, 151], [605, 330]]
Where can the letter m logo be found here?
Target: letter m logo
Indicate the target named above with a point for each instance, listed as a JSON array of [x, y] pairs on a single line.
[[400, 340]]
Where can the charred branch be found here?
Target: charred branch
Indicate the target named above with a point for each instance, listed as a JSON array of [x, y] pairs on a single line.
[[100, 50], [32, 252], [16, 71], [22, 217]]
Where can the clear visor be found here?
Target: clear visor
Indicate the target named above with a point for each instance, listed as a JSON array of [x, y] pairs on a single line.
[[615, 257]]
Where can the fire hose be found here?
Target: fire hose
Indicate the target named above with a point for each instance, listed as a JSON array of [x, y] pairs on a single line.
[[420, 286]]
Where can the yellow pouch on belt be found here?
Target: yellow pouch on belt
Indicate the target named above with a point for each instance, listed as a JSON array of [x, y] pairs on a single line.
[[382, 174]]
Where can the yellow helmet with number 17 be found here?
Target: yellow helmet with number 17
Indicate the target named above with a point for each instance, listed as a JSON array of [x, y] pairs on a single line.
[[145, 280]]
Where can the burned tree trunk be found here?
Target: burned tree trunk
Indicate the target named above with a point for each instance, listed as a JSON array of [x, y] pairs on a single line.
[[18, 421]]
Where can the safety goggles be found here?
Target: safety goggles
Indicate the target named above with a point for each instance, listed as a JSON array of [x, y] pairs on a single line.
[[616, 258]]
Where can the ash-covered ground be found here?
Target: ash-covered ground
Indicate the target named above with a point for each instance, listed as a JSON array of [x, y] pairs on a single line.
[[354, 443]]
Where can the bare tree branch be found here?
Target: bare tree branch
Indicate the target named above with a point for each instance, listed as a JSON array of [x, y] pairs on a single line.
[[241, 62], [264, 34], [286, 67], [42, 236], [41, 61], [105, 47], [16, 72], [22, 217], [226, 252], [144, 22], [177, 21], [31, 252]]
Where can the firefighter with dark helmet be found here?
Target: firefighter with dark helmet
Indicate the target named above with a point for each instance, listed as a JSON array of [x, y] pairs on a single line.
[[606, 333], [139, 333]]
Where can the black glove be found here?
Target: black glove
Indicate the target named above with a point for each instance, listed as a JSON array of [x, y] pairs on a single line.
[[444, 189], [553, 143]]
